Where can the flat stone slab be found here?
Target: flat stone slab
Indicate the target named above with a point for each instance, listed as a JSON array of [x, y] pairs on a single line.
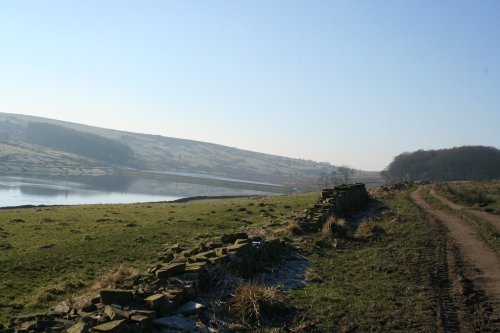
[[243, 241], [155, 301], [78, 328], [178, 322], [170, 270], [114, 326], [114, 313], [147, 313], [239, 247]]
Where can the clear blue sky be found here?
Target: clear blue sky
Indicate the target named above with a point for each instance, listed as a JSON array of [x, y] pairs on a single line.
[[348, 82]]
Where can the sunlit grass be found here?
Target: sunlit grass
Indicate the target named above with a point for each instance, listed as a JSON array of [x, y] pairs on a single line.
[[59, 251]]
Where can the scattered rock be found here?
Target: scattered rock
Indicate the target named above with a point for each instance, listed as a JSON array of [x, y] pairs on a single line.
[[114, 326], [88, 307], [176, 248], [170, 270], [47, 246], [231, 238], [114, 313], [78, 328], [5, 246], [155, 301], [169, 290]]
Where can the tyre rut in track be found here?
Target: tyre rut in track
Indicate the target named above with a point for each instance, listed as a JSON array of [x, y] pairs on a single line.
[[462, 305], [446, 312]]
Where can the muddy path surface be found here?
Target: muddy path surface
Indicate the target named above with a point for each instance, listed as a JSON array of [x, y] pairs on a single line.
[[492, 219], [469, 257]]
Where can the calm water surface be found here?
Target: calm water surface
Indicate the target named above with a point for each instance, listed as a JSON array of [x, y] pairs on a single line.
[[17, 191]]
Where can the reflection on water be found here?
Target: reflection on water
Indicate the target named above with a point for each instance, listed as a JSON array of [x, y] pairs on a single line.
[[17, 191]]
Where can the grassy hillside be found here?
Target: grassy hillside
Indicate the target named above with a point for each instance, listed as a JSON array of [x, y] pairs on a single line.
[[153, 152]]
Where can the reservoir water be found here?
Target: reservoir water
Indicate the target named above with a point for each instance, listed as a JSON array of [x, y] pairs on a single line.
[[18, 191]]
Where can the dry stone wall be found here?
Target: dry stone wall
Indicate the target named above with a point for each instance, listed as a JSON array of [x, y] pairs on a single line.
[[338, 201], [161, 299]]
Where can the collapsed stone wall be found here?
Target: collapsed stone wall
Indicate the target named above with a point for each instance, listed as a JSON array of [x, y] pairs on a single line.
[[338, 201], [162, 297]]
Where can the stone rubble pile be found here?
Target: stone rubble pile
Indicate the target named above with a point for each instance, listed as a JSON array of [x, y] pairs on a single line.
[[338, 201], [162, 299]]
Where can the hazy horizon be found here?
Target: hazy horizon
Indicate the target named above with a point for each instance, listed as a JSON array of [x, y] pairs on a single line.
[[339, 82]]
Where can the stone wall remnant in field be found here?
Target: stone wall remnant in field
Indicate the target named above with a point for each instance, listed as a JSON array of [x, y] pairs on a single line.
[[338, 201]]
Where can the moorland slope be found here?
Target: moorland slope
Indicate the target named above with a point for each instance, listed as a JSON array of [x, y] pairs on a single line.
[[37, 145]]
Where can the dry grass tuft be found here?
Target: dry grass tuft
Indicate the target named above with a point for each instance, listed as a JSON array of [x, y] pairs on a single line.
[[53, 292], [256, 304], [294, 228], [334, 228], [110, 279], [368, 229], [312, 277]]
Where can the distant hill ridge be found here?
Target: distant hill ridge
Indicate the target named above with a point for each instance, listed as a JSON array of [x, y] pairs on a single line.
[[99, 147]]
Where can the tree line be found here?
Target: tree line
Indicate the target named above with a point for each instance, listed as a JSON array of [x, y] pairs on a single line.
[[459, 163], [80, 143], [342, 175]]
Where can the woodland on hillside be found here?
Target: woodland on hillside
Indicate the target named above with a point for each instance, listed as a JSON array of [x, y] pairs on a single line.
[[459, 163], [80, 143]]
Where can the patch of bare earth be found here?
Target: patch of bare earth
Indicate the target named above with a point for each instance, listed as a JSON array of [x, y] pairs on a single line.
[[466, 274]]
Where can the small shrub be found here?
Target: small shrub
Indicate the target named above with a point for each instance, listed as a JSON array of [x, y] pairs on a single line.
[[114, 276], [334, 228], [368, 229], [470, 196], [257, 304]]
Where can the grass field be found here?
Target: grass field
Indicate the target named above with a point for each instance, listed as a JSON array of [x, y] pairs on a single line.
[[375, 285], [484, 195], [379, 284], [58, 251]]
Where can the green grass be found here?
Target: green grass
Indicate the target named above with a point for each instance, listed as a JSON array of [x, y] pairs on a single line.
[[381, 285], [90, 240], [482, 195]]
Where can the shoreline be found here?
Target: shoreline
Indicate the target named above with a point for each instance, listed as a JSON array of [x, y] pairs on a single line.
[[181, 200]]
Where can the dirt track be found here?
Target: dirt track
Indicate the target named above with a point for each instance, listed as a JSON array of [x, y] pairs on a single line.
[[472, 249], [494, 220]]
